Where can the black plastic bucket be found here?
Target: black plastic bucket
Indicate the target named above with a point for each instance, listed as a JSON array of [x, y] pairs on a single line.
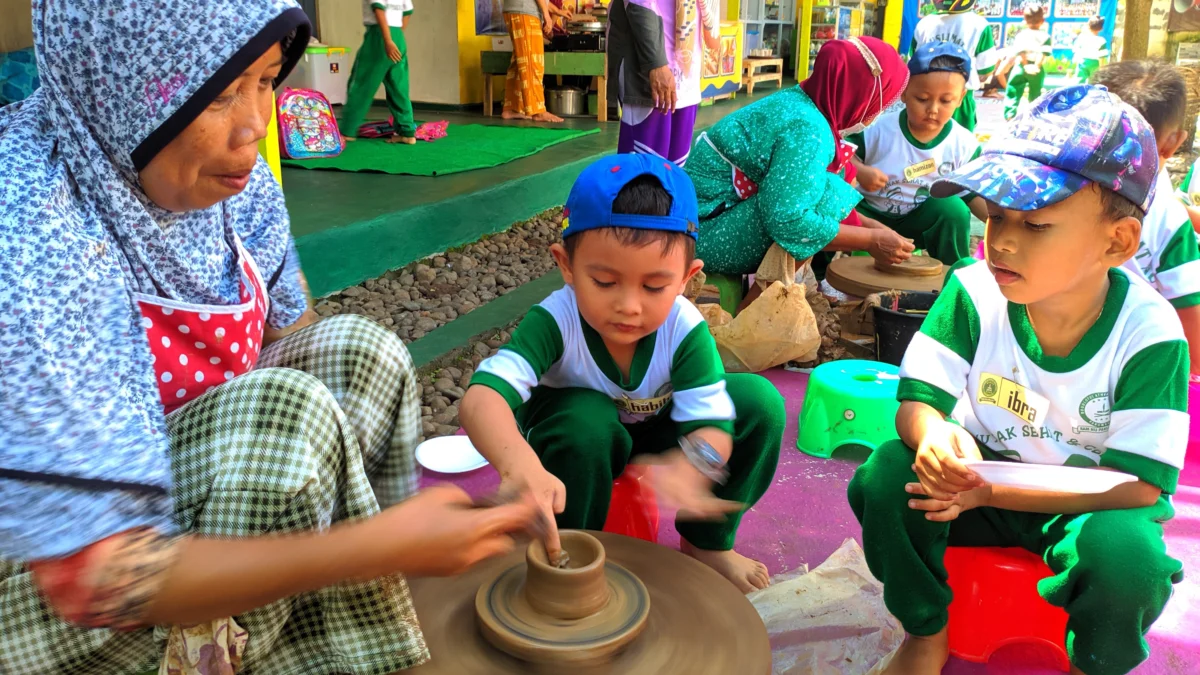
[[895, 329]]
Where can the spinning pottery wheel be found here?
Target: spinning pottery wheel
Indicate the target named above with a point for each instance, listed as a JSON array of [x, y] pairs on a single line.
[[653, 610], [860, 275]]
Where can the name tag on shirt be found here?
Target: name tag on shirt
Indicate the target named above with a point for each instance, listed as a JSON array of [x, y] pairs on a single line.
[[1013, 397], [920, 169], [642, 406]]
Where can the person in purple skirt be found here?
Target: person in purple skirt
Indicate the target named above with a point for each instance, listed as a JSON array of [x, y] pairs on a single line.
[[654, 62]]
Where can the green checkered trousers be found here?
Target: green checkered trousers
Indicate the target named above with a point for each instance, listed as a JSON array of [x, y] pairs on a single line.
[[1111, 570], [321, 431]]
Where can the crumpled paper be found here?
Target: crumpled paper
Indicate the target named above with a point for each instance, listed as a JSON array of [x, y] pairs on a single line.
[[213, 648], [831, 620]]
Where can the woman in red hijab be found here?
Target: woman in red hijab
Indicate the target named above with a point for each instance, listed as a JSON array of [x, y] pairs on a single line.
[[774, 172]]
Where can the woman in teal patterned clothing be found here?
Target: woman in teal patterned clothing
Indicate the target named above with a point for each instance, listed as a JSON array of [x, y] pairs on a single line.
[[777, 171]]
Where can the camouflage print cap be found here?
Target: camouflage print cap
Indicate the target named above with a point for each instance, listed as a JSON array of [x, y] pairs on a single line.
[[1067, 139]]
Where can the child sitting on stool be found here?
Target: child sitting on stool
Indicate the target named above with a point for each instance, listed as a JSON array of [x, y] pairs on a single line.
[[1167, 258], [1048, 353], [618, 364], [903, 153]]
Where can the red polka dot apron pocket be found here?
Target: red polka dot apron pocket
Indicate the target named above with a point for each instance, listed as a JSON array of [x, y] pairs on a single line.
[[743, 187], [195, 348]]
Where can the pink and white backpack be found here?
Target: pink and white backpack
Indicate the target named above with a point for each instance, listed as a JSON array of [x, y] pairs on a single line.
[[307, 127]]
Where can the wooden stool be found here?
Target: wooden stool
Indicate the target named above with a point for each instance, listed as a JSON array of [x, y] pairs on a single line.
[[749, 77]]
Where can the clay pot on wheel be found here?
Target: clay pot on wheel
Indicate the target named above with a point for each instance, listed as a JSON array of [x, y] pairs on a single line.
[[580, 590]]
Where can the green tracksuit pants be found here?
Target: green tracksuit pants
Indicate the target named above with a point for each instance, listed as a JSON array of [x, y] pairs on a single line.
[[579, 438], [1018, 81], [372, 67], [1111, 570]]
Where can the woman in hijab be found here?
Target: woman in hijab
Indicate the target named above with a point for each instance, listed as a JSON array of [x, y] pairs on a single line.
[[777, 171], [182, 444]]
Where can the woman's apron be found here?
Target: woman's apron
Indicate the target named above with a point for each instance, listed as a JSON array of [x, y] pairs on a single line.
[[194, 347]]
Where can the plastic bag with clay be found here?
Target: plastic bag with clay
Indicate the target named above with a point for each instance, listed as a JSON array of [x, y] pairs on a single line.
[[777, 327]]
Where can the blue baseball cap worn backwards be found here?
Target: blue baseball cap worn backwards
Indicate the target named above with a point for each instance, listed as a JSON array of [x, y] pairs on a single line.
[[589, 206], [1067, 139], [923, 56]]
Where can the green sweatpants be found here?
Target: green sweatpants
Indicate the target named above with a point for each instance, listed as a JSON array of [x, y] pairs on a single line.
[[1111, 570], [1017, 82], [372, 67], [965, 115], [1083, 71], [579, 438], [941, 227]]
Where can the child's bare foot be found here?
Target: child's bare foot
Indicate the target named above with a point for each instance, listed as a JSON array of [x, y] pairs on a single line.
[[546, 117], [513, 115], [406, 140], [921, 655], [748, 575]]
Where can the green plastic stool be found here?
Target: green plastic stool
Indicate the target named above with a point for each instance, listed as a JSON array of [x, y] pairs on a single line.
[[732, 288], [848, 402]]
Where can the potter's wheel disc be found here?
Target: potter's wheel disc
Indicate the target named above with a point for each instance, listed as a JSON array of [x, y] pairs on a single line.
[[856, 275], [511, 624], [916, 266], [699, 624]]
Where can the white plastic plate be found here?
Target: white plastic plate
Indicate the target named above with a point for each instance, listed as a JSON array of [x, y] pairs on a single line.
[[1049, 478], [450, 454]]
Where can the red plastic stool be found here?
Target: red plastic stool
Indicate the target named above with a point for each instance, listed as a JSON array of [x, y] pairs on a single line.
[[996, 604], [633, 510]]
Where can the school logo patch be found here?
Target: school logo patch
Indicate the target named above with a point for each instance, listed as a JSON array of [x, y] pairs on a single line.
[[1013, 397], [1095, 413]]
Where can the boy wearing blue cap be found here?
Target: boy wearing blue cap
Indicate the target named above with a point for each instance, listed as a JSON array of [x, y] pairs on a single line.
[[1047, 354], [903, 153], [618, 364], [957, 21]]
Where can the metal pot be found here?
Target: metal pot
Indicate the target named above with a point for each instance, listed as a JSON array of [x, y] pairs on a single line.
[[566, 101]]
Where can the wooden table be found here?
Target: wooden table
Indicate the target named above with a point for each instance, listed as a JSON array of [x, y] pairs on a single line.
[[749, 77], [594, 64]]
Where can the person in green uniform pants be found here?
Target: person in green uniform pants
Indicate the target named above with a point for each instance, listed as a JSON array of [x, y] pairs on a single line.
[[1090, 49], [1032, 46], [957, 22], [382, 59], [900, 156]]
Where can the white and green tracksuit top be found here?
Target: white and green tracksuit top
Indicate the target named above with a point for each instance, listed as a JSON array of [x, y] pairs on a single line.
[[676, 366], [1168, 257], [1118, 400]]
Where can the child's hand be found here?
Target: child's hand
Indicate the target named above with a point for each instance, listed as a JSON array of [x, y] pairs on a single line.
[[681, 486], [872, 179], [393, 52], [939, 464], [945, 510], [549, 493]]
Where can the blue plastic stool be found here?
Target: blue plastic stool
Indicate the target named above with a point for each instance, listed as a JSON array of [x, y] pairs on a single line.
[[848, 402]]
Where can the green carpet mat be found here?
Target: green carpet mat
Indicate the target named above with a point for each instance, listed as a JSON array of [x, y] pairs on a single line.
[[465, 147]]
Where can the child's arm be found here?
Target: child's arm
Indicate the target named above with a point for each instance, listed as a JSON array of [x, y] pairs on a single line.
[[500, 385], [1190, 318], [869, 178], [1194, 216], [393, 52]]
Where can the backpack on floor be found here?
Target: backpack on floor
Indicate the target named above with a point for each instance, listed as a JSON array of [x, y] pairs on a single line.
[[307, 127]]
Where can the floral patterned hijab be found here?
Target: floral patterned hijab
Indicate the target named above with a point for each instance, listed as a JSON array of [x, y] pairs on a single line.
[[78, 400]]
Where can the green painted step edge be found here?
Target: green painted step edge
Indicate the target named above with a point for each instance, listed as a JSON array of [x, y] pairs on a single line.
[[495, 314], [352, 254]]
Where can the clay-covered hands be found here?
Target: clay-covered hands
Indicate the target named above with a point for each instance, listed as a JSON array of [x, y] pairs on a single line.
[[679, 485], [440, 532], [889, 247], [550, 495], [939, 466], [662, 87], [872, 179]]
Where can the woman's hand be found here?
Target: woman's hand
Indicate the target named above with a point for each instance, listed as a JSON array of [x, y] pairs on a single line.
[[548, 493], [393, 52], [872, 179], [939, 464], [548, 26], [679, 485], [888, 247], [662, 87], [945, 510], [439, 532]]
